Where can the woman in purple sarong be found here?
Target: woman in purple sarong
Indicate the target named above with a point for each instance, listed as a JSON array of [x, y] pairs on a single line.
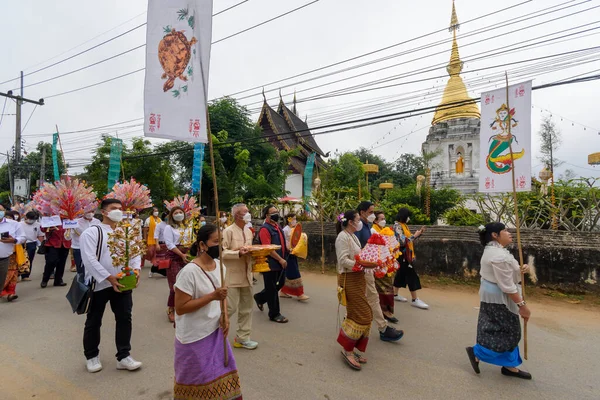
[[199, 329]]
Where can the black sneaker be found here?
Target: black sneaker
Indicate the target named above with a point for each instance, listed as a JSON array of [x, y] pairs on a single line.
[[391, 335]]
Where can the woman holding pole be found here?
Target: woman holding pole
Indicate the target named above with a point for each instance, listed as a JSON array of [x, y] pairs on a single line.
[[499, 327], [201, 328]]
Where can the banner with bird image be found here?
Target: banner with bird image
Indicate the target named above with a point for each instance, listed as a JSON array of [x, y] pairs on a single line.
[[505, 125], [178, 40]]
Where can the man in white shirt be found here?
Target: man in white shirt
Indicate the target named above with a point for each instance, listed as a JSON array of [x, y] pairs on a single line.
[[106, 290], [11, 234], [82, 224], [33, 235]]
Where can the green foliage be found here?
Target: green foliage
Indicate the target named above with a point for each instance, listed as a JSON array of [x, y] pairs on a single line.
[[155, 172], [441, 200], [462, 216], [417, 217], [343, 174]]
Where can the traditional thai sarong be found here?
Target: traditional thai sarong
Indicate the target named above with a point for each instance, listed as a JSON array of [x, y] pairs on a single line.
[[176, 264], [385, 289], [354, 332], [12, 277], [498, 328], [293, 280], [200, 372]]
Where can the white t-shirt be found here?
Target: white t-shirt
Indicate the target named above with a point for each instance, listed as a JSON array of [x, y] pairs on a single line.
[[32, 232], [82, 225], [197, 325], [159, 232]]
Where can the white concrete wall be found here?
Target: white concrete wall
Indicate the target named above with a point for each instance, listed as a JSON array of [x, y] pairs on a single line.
[[294, 185]]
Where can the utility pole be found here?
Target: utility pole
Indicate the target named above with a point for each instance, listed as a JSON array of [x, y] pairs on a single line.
[[10, 181], [42, 167]]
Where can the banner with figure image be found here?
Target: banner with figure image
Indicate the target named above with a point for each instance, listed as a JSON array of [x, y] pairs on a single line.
[[178, 41], [496, 164]]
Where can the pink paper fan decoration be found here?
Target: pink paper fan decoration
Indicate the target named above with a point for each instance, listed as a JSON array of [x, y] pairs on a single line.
[[132, 194], [187, 202], [69, 198]]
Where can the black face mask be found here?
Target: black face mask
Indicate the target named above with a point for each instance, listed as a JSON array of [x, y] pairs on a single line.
[[213, 251], [275, 217]]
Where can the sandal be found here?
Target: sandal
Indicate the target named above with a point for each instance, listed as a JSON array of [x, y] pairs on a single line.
[[261, 307], [171, 314], [348, 359], [12, 297], [473, 359], [280, 319], [303, 297], [285, 295], [358, 357]]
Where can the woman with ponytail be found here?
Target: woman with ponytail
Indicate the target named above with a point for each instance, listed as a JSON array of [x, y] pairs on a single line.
[[201, 327]]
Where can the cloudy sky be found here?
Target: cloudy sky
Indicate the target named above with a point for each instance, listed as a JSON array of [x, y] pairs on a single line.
[[526, 38]]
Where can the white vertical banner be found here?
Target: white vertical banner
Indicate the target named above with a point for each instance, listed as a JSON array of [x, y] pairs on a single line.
[[495, 173], [178, 39]]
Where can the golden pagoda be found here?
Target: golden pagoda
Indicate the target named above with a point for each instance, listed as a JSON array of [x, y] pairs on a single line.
[[456, 91]]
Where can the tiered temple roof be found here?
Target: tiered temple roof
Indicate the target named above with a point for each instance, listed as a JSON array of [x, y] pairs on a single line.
[[286, 131]]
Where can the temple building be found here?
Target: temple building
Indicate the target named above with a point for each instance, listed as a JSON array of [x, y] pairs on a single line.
[[286, 131], [454, 132]]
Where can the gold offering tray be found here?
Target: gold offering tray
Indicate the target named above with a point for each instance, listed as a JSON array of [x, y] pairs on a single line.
[[259, 253]]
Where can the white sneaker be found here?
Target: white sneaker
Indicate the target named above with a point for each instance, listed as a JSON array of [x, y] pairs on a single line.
[[129, 364], [400, 298], [94, 365], [419, 304], [150, 274]]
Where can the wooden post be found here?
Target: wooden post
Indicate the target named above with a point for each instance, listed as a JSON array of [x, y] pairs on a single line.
[[218, 221], [516, 210]]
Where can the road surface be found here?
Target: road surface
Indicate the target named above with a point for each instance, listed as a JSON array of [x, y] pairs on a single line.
[[42, 358]]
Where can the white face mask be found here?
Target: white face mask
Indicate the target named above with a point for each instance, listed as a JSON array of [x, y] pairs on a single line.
[[371, 218], [359, 226], [29, 221], [115, 215], [178, 217], [223, 219], [382, 223], [407, 220], [89, 216], [155, 213], [247, 217]]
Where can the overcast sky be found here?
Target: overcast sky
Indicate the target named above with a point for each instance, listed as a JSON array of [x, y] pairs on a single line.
[[38, 33]]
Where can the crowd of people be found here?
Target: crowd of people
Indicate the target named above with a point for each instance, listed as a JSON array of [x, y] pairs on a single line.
[[201, 300]]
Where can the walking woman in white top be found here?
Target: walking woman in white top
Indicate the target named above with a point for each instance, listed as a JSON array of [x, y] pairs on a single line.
[[200, 371], [178, 236], [498, 326]]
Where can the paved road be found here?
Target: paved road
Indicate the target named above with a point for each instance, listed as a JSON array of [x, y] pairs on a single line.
[[41, 351]]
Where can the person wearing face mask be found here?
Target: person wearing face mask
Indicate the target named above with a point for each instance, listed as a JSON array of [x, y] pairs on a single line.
[[271, 233], [355, 329], [501, 304], [293, 280], [82, 224], [384, 285], [103, 274], [223, 220], [11, 242], [366, 211], [33, 235], [407, 275], [57, 252], [178, 236], [148, 234], [236, 240], [160, 249], [201, 328]]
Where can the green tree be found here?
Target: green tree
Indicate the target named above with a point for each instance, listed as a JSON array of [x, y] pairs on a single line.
[[441, 200]]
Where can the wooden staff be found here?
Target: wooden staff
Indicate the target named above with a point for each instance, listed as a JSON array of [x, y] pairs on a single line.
[[216, 193], [517, 219]]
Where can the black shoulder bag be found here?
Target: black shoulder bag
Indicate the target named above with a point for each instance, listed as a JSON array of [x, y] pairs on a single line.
[[80, 294]]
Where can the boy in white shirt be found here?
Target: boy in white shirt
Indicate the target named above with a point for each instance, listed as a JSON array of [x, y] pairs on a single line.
[[33, 236], [106, 290]]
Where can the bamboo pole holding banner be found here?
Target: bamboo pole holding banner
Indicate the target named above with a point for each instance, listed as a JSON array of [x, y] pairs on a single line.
[[218, 221], [516, 210]]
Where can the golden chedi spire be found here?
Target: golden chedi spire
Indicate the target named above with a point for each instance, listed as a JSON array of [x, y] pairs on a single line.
[[456, 91]]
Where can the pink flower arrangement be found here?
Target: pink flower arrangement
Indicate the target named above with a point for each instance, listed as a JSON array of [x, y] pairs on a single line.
[[69, 198], [132, 194], [187, 202]]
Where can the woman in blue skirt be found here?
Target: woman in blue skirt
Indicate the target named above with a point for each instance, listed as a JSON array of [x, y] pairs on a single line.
[[499, 327]]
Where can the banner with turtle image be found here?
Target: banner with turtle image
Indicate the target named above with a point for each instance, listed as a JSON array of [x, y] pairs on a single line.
[[496, 164], [178, 39]]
